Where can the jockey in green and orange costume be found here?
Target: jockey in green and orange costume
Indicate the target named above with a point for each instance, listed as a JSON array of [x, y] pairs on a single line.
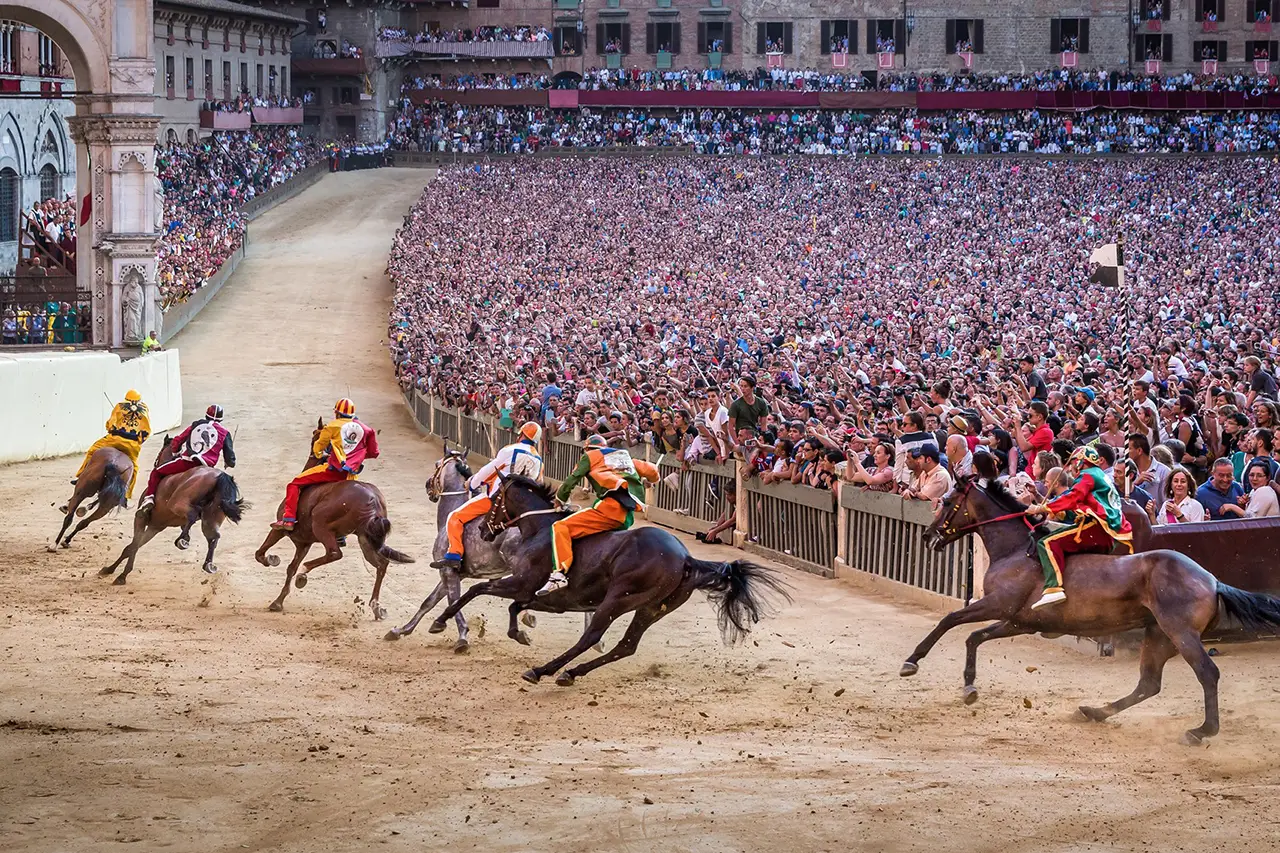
[[618, 483], [1098, 522]]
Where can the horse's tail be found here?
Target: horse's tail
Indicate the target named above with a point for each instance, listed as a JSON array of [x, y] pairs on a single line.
[[228, 495], [376, 532], [1254, 611], [742, 592], [114, 485]]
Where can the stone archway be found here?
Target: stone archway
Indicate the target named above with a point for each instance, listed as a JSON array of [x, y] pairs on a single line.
[[109, 46]]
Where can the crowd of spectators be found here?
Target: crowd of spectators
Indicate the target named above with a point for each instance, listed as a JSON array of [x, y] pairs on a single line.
[[34, 317], [205, 184], [330, 50], [797, 79], [443, 127], [868, 323], [51, 225], [467, 34], [245, 102]]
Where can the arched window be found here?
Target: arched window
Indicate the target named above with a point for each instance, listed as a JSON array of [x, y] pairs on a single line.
[[191, 136], [172, 137], [50, 182], [10, 204]]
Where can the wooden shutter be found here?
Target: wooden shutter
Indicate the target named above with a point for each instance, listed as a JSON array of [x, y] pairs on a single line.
[[626, 39], [702, 37], [1084, 35], [871, 35], [786, 38], [600, 39], [975, 32], [1222, 51], [650, 38], [1250, 13], [1055, 35], [900, 36], [760, 38], [1165, 11], [1166, 48], [728, 38], [951, 35], [853, 36], [675, 38], [824, 37], [1222, 11]]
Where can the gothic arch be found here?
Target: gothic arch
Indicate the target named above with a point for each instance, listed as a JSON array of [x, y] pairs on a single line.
[[51, 126], [13, 148], [82, 31]]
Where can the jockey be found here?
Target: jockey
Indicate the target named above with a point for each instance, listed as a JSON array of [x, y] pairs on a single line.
[[127, 428], [198, 445], [618, 482], [1098, 522], [520, 458], [342, 446]]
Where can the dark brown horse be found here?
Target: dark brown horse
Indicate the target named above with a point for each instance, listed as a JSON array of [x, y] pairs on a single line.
[[327, 513], [644, 569], [1168, 595], [107, 478], [202, 494]]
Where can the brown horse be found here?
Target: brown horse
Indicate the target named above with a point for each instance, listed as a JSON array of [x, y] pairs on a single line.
[[1168, 595], [107, 478], [202, 494], [327, 513]]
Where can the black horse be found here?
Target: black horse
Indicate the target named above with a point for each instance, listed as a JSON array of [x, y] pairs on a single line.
[[644, 569]]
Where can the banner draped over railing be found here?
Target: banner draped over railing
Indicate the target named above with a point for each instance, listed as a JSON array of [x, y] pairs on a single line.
[[478, 49]]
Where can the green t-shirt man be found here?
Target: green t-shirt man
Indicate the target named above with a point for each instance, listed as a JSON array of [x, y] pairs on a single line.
[[748, 415]]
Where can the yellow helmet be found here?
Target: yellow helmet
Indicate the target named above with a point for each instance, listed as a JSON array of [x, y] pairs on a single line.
[[132, 396]]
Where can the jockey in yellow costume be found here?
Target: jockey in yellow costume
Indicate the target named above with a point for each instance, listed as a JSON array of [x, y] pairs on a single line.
[[618, 483], [127, 428], [341, 448]]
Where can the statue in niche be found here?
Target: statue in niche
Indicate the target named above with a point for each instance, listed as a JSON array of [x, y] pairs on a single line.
[[131, 306]]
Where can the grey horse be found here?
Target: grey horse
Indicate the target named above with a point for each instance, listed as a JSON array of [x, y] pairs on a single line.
[[447, 487]]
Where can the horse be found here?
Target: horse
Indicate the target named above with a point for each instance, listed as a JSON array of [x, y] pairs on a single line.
[[328, 512], [1164, 593], [107, 478], [644, 569], [205, 494]]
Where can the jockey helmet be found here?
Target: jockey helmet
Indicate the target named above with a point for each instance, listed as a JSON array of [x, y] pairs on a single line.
[[530, 431], [596, 441], [132, 396], [344, 408], [1088, 455], [214, 412]]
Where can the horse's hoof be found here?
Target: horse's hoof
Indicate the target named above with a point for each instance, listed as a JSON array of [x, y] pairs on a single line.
[[210, 568], [461, 647], [1191, 738], [276, 607], [909, 668], [273, 561], [436, 627], [970, 694], [81, 512], [107, 572], [522, 638], [379, 613], [182, 543], [52, 549], [66, 543], [1093, 715], [300, 581], [531, 676], [529, 620], [564, 679], [118, 581]]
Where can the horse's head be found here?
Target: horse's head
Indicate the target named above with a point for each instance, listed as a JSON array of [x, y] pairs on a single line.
[[166, 451], [975, 500], [450, 475], [515, 498]]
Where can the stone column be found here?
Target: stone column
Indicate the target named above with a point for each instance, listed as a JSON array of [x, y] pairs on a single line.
[[120, 243]]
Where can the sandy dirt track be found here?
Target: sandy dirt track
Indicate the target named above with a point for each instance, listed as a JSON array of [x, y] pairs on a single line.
[[178, 714]]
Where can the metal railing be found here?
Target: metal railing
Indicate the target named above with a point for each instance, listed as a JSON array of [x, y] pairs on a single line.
[[807, 528]]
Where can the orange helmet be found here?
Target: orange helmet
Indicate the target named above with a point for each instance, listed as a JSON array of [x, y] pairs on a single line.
[[531, 432], [344, 408]]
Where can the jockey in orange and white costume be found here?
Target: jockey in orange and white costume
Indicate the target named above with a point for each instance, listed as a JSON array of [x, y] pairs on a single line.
[[520, 458], [342, 446]]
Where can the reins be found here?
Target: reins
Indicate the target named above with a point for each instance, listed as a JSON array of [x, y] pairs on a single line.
[[955, 531]]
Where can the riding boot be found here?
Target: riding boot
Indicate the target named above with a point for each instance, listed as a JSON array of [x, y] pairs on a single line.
[[555, 583], [341, 540], [449, 562]]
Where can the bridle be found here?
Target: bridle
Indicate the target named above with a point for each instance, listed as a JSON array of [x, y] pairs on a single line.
[[436, 483], [946, 524], [498, 507]]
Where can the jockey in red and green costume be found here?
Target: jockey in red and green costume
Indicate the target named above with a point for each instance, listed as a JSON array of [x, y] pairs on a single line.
[[1098, 522], [341, 448]]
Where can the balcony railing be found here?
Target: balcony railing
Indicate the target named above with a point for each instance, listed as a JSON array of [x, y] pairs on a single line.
[[478, 49], [277, 115], [216, 120], [664, 59], [336, 66]]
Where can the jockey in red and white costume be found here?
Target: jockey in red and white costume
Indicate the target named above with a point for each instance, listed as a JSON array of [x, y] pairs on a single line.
[[199, 445]]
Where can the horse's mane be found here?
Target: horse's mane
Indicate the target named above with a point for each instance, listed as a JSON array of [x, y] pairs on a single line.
[[999, 492], [542, 490]]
